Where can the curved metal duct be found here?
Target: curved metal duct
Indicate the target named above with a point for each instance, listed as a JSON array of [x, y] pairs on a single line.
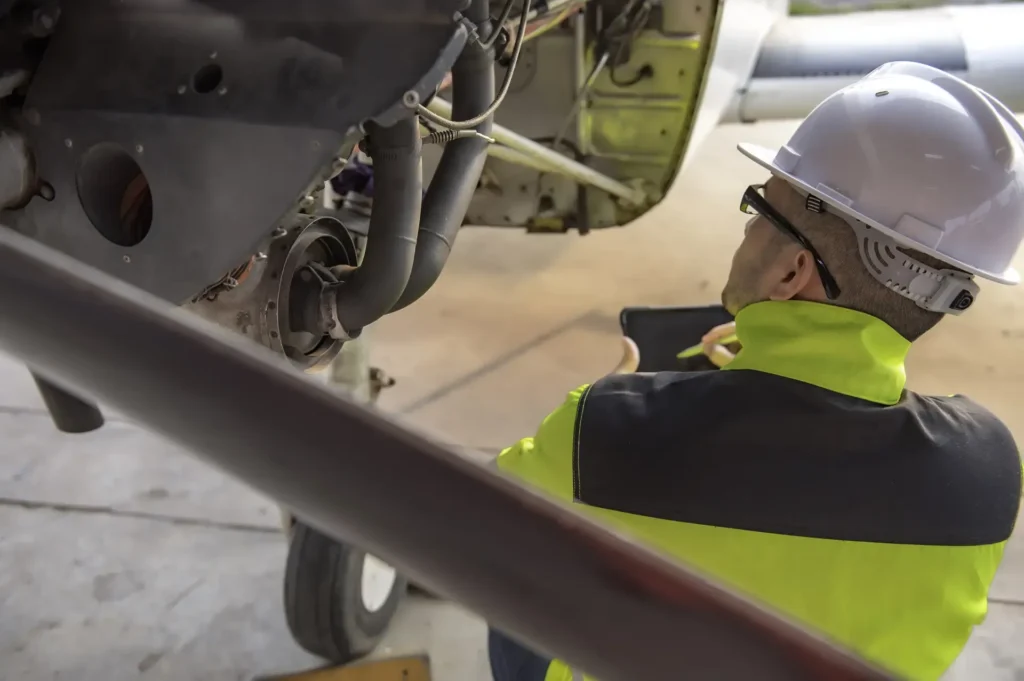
[[805, 59]]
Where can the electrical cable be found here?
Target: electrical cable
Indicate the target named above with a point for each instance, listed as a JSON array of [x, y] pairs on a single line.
[[554, 23], [621, 36], [614, 39], [581, 96], [635, 18], [645, 71], [505, 84]]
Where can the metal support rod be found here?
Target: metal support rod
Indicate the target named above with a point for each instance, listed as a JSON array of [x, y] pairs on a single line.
[[579, 70], [538, 570], [581, 97], [510, 155], [519, 158], [556, 161]]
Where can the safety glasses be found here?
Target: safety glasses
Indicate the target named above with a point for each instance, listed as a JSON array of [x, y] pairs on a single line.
[[754, 203]]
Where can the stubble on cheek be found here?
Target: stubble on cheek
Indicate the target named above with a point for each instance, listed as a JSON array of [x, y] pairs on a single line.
[[740, 288], [734, 294], [752, 266]]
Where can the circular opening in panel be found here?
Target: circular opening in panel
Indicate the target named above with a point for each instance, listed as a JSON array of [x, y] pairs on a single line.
[[115, 194]]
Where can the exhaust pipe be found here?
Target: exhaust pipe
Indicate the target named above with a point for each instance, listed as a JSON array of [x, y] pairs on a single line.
[[461, 165], [373, 288], [402, 262]]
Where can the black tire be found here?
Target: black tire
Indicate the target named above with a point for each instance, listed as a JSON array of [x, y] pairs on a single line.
[[323, 598]]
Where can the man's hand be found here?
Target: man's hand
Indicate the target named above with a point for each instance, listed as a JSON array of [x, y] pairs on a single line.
[[715, 348], [630, 357]]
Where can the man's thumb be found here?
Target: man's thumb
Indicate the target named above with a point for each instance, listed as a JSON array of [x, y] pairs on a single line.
[[630, 357]]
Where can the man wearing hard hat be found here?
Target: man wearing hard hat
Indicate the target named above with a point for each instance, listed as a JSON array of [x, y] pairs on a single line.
[[805, 474]]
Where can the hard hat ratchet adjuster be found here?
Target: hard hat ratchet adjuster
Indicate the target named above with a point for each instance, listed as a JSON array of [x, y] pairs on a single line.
[[947, 291]]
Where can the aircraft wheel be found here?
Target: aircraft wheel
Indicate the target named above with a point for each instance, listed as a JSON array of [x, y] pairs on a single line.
[[339, 600]]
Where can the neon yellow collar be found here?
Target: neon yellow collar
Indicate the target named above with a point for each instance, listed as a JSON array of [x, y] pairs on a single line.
[[832, 347]]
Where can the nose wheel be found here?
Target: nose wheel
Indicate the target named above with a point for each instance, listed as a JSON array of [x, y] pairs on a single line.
[[339, 600]]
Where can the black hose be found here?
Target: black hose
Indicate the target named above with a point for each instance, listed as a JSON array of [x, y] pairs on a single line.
[[70, 413], [373, 289], [455, 180]]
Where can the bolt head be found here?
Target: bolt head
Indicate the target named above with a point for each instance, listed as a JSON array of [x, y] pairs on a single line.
[[69, 143], [45, 20], [126, 258], [411, 99]]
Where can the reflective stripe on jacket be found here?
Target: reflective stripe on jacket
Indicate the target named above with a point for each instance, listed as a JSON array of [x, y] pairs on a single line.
[[805, 476]]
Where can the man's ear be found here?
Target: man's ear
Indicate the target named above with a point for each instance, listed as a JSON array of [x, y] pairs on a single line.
[[797, 277]]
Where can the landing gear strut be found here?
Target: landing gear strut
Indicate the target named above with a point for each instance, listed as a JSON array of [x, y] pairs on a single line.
[[340, 600]]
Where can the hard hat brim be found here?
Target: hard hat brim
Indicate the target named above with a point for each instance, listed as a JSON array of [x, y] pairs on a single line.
[[765, 157]]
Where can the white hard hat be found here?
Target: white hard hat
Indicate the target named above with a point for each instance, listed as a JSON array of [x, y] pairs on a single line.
[[912, 155]]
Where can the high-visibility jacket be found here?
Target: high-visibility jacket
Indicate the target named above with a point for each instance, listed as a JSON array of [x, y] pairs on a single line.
[[804, 476]]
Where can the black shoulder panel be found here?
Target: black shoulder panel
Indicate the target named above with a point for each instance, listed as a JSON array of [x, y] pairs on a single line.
[[753, 451]]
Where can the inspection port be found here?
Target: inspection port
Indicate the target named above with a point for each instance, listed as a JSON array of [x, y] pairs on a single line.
[[115, 194]]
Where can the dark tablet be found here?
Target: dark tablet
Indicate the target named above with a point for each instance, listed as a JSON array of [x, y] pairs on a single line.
[[661, 333]]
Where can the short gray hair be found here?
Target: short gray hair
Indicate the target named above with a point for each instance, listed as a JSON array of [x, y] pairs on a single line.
[[837, 245]]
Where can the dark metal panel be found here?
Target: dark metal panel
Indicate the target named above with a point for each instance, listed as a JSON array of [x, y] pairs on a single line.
[[218, 188], [856, 44], [231, 113], [323, 64], [532, 567]]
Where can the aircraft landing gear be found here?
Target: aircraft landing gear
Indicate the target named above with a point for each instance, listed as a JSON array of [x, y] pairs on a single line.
[[339, 600]]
